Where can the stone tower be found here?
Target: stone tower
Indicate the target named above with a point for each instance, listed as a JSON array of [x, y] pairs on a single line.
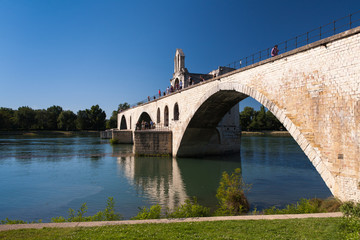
[[180, 72]]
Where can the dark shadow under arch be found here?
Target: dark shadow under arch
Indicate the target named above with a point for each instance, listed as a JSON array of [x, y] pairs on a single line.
[[123, 124], [144, 121], [201, 135]]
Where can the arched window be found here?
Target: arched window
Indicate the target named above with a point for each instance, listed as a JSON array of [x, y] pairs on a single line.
[[176, 112], [123, 123], [166, 116], [158, 116]]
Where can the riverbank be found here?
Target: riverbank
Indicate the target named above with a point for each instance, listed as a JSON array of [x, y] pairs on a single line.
[[48, 133], [267, 133], [301, 226]]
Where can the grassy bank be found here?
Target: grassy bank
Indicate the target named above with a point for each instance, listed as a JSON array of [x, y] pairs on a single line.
[[267, 133], [311, 228]]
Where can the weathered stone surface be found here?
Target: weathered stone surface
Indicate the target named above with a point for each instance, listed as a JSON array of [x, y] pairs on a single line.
[[123, 136], [149, 142]]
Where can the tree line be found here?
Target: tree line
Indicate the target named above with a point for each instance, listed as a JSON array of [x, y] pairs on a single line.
[[251, 120], [55, 118], [52, 118]]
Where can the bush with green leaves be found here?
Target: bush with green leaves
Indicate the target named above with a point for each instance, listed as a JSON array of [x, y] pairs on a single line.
[[231, 195], [107, 215], [154, 212], [351, 221], [10, 221], [190, 208], [314, 205]]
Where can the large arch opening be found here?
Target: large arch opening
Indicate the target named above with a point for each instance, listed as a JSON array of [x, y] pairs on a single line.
[[216, 103], [123, 124], [201, 135], [166, 116], [143, 122]]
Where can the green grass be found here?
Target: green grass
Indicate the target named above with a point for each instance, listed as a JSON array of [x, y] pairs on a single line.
[[320, 228]]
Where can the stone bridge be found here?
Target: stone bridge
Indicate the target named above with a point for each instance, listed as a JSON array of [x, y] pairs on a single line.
[[314, 91]]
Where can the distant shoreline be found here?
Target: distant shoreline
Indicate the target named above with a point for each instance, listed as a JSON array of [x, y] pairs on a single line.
[[267, 133], [46, 133], [68, 133]]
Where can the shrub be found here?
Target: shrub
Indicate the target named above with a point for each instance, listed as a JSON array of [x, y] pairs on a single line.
[[351, 220], [231, 194], [189, 209], [114, 141], [153, 213], [107, 215], [9, 221], [314, 205]]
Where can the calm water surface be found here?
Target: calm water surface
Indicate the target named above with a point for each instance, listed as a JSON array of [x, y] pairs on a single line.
[[42, 177]]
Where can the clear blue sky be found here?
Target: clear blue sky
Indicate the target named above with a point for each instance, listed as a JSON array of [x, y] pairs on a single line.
[[76, 54]]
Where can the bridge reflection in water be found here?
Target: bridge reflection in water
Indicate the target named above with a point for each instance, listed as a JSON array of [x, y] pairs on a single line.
[[276, 167], [170, 181]]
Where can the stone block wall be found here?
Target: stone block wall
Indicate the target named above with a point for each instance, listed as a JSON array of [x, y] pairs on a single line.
[[123, 136], [153, 142]]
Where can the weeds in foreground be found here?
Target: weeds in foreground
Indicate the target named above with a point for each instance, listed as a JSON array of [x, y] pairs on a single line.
[[107, 215], [154, 212], [189, 209], [314, 205], [10, 221], [351, 220]]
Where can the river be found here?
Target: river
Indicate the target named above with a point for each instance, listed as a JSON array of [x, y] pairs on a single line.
[[43, 176]]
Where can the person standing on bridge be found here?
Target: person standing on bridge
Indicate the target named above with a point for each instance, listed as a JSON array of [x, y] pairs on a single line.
[[274, 51], [159, 93]]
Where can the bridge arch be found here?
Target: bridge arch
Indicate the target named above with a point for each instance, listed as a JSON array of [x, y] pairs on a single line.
[[144, 117], [201, 124], [123, 124]]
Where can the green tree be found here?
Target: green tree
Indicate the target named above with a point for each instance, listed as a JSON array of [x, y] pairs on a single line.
[[7, 121], [66, 120], [272, 123], [41, 119], [97, 118], [112, 122], [231, 194], [246, 117], [123, 106], [24, 118], [259, 121], [53, 115], [83, 121]]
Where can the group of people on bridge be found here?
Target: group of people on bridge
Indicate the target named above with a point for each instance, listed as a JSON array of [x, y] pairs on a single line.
[[145, 125]]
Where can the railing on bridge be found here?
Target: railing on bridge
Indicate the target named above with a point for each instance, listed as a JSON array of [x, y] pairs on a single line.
[[154, 127], [327, 30]]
